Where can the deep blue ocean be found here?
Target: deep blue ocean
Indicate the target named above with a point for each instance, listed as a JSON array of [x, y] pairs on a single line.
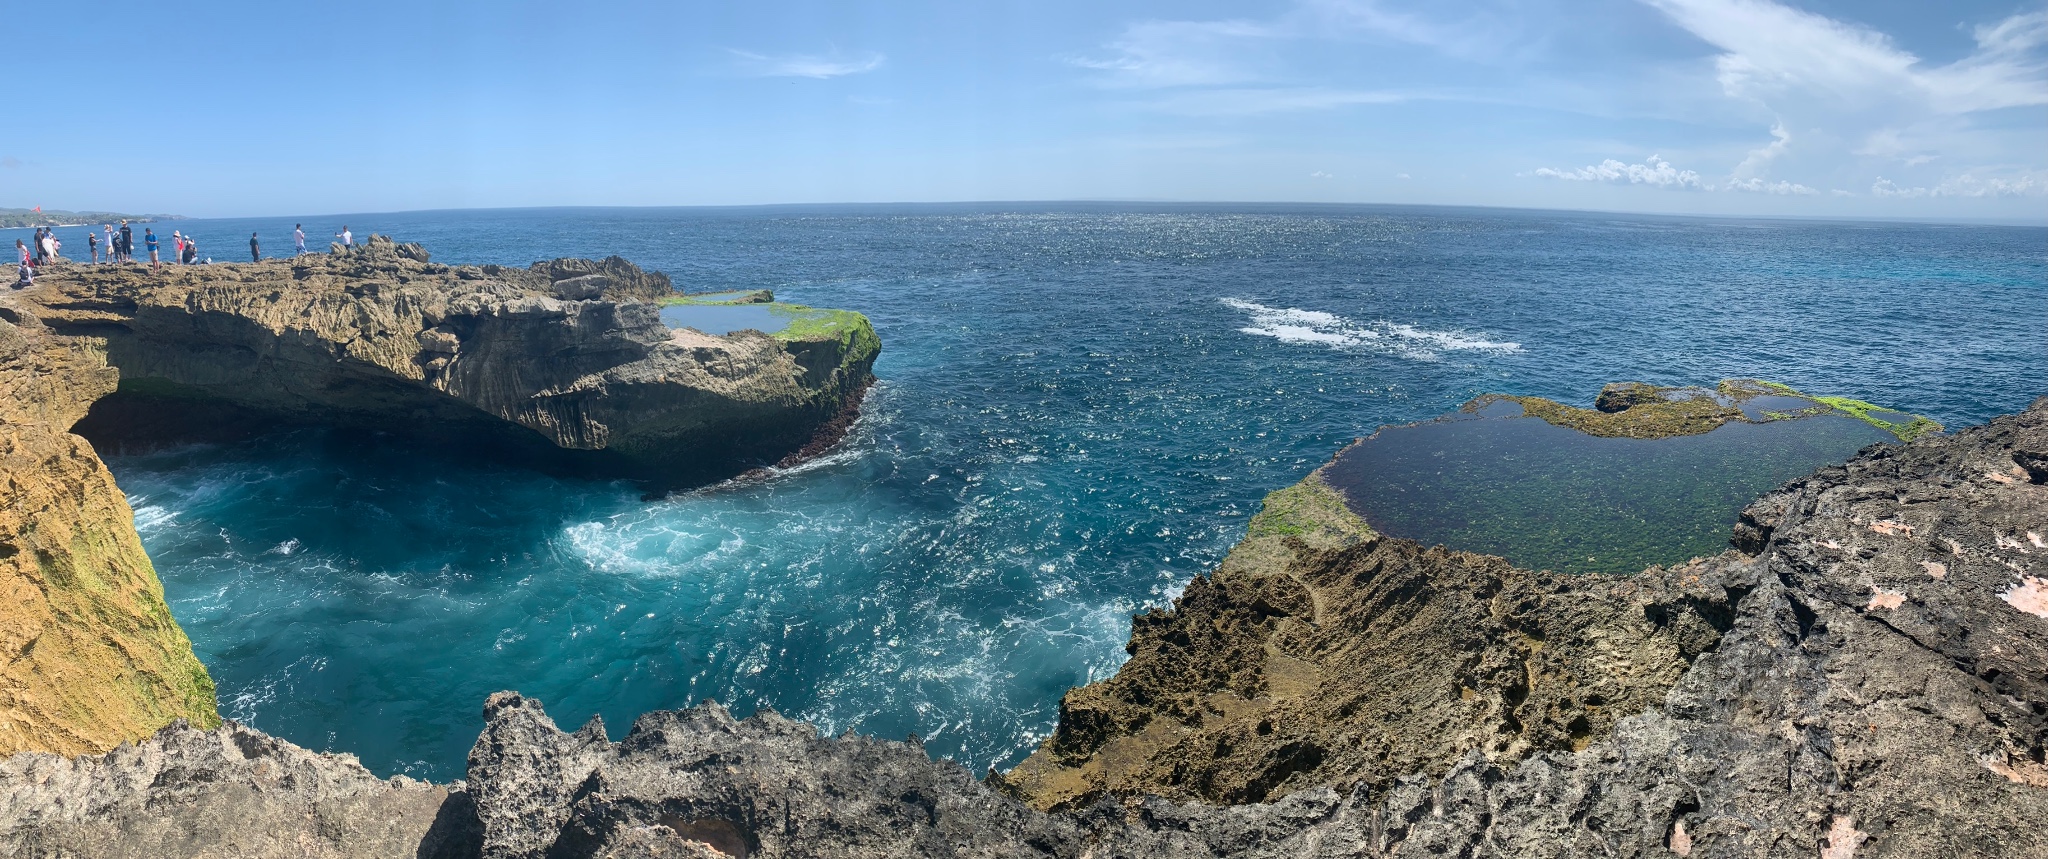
[[1080, 406]]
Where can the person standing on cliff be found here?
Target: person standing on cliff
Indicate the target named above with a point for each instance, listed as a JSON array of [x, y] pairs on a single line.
[[109, 242], [299, 238], [149, 240], [127, 241], [347, 238], [22, 249], [255, 252], [92, 245]]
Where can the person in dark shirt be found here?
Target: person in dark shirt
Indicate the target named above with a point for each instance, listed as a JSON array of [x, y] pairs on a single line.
[[191, 251], [255, 251], [92, 246], [128, 242]]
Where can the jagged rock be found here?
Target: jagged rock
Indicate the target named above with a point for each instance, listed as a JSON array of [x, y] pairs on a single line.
[[581, 288], [228, 792], [1619, 396], [439, 341]]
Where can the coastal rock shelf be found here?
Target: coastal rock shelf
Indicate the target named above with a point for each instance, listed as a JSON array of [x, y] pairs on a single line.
[[1863, 676], [566, 364]]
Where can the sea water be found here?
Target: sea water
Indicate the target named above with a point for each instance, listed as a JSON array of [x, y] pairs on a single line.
[[1080, 406]]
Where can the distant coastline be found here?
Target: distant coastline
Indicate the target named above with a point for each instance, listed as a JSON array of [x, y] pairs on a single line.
[[20, 218]]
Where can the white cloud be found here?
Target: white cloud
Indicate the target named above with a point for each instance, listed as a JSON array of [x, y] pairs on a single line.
[[1656, 171], [1321, 175], [1400, 175], [805, 65], [1853, 91], [1759, 186], [1155, 54]]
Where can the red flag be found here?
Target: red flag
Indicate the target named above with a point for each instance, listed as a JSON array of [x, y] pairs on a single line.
[[39, 210]]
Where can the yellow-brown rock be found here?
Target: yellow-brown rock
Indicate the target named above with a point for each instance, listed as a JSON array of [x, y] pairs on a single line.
[[92, 656]]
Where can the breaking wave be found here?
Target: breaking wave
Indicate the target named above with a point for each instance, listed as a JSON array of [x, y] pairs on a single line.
[[1294, 325]]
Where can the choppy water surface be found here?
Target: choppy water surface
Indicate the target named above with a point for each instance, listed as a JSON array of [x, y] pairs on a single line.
[[1081, 406], [1551, 498]]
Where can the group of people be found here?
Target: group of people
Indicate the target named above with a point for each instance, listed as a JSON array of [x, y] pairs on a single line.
[[120, 247]]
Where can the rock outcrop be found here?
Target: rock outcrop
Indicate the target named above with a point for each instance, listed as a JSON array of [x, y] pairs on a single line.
[[89, 654], [1868, 679], [565, 364]]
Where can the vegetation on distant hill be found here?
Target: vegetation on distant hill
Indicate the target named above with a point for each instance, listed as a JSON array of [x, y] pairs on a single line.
[[13, 218]]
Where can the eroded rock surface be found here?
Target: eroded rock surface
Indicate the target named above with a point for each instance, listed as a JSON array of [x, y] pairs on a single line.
[[89, 654], [566, 362], [1819, 720]]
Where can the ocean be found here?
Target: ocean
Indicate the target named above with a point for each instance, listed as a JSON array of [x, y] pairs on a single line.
[[1080, 406]]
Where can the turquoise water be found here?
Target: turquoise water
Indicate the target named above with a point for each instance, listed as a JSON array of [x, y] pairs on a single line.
[[1080, 407], [1551, 498], [723, 319]]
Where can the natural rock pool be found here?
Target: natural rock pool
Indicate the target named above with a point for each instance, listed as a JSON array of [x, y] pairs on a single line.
[[723, 319], [1497, 481]]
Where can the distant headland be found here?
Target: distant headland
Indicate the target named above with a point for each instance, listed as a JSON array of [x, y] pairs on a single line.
[[19, 218]]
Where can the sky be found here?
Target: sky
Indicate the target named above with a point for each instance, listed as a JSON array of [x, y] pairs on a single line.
[[1826, 108]]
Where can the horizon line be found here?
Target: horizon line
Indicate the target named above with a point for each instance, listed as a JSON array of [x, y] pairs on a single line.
[[1893, 219]]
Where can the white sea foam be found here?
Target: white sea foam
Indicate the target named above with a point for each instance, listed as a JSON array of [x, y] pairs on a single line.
[[1315, 327]]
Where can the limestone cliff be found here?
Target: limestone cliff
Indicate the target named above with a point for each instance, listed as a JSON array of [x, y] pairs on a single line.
[[566, 363], [92, 656], [1878, 687]]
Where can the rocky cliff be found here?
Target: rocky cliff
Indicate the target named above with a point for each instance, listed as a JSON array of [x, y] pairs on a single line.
[[1866, 675], [565, 364], [91, 655]]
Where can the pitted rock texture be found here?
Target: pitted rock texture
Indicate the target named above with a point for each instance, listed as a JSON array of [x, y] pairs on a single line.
[[567, 362], [230, 793]]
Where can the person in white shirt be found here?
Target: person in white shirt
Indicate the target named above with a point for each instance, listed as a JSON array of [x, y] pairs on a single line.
[[299, 237], [347, 238]]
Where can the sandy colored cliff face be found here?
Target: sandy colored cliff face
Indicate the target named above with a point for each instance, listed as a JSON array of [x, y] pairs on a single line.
[[92, 656]]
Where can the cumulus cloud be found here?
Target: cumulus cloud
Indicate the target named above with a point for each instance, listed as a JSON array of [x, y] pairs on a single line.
[[1759, 186], [805, 65], [1656, 171]]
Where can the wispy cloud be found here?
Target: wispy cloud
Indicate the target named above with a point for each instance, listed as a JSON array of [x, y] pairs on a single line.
[[1656, 172], [1967, 185], [1860, 92], [1154, 54], [1251, 101], [805, 65]]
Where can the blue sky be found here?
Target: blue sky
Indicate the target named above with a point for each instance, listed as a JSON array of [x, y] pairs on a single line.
[[1835, 108]]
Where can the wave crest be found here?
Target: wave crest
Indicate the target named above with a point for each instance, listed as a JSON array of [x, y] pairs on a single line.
[[1295, 325]]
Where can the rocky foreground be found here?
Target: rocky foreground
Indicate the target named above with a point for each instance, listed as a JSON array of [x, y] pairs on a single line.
[[1866, 675]]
